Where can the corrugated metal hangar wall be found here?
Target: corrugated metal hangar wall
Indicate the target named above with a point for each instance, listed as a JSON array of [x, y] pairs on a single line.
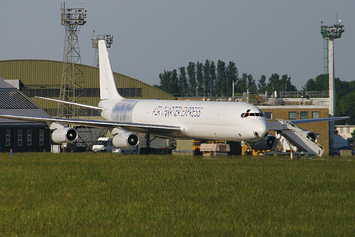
[[43, 78]]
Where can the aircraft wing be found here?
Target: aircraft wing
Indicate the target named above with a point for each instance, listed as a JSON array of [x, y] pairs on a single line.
[[298, 121], [276, 125], [135, 127]]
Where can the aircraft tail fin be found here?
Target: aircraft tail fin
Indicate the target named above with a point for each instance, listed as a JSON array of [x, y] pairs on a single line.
[[108, 88]]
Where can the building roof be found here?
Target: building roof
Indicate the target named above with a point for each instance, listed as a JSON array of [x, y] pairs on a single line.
[[5, 85], [12, 101]]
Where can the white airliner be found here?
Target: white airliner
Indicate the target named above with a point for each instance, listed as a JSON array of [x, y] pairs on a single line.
[[166, 118]]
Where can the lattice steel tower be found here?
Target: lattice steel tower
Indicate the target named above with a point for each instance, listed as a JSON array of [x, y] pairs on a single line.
[[72, 77]]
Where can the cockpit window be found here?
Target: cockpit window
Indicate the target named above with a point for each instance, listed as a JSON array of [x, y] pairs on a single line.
[[261, 113], [244, 115], [247, 114]]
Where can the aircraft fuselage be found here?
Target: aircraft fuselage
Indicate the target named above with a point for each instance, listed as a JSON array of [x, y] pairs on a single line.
[[197, 119]]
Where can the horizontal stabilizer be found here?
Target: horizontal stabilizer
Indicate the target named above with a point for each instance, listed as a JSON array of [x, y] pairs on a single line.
[[71, 103]]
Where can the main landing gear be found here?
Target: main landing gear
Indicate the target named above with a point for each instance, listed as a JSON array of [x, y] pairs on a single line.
[[150, 150]]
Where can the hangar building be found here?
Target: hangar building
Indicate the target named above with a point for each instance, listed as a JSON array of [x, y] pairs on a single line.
[[43, 78]]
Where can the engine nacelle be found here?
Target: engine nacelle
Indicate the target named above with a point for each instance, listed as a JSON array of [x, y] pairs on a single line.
[[311, 135], [125, 140], [267, 143], [63, 134]]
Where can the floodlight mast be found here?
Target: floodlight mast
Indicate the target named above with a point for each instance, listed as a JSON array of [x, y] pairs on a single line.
[[95, 44], [72, 77], [331, 32]]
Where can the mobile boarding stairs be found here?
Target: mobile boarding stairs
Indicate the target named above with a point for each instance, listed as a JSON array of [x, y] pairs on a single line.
[[295, 138]]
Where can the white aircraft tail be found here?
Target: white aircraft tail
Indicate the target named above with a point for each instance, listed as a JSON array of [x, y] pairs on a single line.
[[108, 88]]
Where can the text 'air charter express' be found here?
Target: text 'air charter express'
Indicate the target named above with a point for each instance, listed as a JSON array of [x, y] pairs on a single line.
[[177, 111]]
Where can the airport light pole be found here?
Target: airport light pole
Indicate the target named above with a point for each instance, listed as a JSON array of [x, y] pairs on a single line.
[[95, 39], [331, 32]]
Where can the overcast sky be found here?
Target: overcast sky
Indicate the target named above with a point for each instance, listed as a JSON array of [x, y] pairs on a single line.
[[261, 37]]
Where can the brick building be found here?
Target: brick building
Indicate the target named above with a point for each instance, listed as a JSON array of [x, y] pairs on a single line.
[[293, 112]]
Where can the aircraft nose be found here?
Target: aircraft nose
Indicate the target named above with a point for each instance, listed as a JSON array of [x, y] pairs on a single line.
[[262, 129]]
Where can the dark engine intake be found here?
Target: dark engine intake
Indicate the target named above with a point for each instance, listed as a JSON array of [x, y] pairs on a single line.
[[267, 143], [311, 135], [64, 135], [125, 140]]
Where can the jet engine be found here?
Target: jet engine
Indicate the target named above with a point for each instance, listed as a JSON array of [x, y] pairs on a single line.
[[311, 135], [63, 134], [124, 139], [267, 143]]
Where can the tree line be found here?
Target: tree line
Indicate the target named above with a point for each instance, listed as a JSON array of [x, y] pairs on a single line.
[[211, 79], [344, 95]]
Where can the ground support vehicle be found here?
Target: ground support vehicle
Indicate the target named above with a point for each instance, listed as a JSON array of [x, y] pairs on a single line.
[[197, 146], [214, 149], [104, 144]]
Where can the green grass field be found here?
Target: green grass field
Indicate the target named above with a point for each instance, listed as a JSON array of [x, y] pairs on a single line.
[[120, 195]]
